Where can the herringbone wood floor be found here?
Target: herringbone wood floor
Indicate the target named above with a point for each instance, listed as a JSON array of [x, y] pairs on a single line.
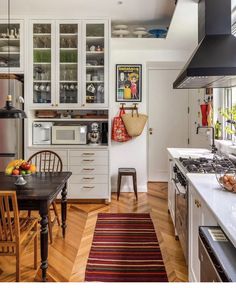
[[67, 258]]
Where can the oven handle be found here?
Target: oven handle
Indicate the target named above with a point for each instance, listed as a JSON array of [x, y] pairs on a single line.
[[180, 193]]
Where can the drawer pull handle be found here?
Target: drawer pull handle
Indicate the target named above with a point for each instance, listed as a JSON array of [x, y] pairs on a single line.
[[197, 203], [88, 169], [88, 187], [88, 178], [88, 160], [88, 154]]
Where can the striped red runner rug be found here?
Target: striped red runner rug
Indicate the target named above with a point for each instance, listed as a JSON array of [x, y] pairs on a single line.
[[125, 249]]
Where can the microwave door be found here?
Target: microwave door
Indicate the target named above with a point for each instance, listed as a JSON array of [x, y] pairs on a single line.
[[45, 134]]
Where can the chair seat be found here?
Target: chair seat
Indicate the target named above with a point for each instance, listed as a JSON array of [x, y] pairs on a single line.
[[26, 225], [124, 171]]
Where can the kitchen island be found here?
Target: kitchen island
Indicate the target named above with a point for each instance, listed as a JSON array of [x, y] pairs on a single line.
[[204, 201]]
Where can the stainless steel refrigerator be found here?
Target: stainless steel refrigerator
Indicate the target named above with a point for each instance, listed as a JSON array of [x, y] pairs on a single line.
[[11, 130]]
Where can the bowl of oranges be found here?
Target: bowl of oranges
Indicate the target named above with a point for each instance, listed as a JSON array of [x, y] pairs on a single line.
[[20, 169]]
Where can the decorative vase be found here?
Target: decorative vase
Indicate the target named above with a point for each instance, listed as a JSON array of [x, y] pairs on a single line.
[[204, 114]]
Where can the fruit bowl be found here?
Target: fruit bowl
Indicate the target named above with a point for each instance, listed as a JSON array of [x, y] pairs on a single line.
[[20, 168], [227, 181], [20, 179]]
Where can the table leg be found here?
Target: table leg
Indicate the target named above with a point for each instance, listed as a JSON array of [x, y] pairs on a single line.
[[44, 245], [63, 209]]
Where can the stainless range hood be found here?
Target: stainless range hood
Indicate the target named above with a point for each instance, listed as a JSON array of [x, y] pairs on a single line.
[[213, 63]]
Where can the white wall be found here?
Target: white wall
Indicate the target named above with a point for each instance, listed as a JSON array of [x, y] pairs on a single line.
[[134, 153], [179, 45]]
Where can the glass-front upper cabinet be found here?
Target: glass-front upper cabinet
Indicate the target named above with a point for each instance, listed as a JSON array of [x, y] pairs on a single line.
[[95, 63], [68, 68], [11, 46], [42, 84]]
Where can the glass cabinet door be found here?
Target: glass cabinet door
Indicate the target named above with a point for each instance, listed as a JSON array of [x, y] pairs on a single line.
[[42, 64], [95, 63], [68, 64], [10, 46]]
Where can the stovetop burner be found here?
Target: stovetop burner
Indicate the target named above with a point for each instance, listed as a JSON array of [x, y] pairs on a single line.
[[206, 165]]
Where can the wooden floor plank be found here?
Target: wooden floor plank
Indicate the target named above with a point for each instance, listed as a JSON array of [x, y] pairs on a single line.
[[68, 257]]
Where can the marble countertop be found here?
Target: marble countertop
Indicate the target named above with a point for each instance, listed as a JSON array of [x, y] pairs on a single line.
[[221, 203], [189, 152]]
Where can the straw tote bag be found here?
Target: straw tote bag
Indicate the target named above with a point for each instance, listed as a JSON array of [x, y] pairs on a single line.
[[134, 123]]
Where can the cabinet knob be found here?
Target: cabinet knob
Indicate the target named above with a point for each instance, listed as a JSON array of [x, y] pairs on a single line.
[[150, 131], [56, 105], [83, 105], [52, 105]]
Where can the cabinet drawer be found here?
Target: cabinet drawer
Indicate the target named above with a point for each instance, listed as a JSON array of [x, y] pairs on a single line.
[[88, 161], [89, 179], [95, 170], [88, 191], [88, 153]]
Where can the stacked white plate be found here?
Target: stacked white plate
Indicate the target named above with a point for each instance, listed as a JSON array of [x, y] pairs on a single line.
[[140, 32], [120, 30]]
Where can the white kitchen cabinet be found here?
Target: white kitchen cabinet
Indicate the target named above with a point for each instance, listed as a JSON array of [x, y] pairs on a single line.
[[68, 64], [171, 190], [13, 36], [90, 179], [199, 215], [90, 172], [42, 77], [95, 64]]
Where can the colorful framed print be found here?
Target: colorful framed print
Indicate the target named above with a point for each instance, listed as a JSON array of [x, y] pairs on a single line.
[[128, 83]]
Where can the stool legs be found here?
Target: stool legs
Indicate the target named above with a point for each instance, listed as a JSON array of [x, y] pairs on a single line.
[[135, 186], [118, 186], [134, 176]]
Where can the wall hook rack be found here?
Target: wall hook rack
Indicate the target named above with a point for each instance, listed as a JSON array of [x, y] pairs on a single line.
[[134, 107]]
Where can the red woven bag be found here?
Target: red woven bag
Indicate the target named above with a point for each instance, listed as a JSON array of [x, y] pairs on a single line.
[[119, 132]]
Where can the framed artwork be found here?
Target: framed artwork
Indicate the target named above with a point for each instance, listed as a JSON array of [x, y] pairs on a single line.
[[128, 82]]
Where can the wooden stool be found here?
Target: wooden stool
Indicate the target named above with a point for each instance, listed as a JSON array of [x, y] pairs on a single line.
[[127, 172]]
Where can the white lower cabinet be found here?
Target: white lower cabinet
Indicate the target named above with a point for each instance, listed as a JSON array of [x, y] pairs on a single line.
[[90, 172], [199, 215], [171, 191]]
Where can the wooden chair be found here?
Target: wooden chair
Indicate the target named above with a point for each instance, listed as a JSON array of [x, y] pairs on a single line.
[[16, 233], [48, 161]]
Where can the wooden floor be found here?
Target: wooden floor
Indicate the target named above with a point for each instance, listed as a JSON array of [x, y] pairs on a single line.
[[67, 258]]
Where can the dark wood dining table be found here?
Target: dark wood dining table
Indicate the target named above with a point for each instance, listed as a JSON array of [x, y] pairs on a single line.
[[39, 192]]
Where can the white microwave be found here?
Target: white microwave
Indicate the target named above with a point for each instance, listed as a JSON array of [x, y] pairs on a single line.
[[70, 134]]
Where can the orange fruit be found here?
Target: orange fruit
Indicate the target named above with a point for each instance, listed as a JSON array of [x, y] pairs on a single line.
[[32, 168]]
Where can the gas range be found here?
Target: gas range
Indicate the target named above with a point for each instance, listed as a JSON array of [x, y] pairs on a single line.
[[206, 165]]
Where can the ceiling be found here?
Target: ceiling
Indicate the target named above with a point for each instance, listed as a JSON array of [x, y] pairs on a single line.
[[130, 11]]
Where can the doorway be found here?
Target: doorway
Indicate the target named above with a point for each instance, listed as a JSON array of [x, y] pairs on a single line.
[[168, 120]]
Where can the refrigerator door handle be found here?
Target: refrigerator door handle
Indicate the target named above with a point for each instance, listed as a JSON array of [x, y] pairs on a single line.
[[7, 154]]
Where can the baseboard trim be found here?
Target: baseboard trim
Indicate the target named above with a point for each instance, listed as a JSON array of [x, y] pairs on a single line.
[[127, 189]]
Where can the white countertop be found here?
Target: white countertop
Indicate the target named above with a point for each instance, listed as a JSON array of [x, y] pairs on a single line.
[[221, 203], [189, 152]]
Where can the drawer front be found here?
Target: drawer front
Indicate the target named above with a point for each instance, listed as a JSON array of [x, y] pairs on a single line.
[[88, 191], [86, 161], [95, 170], [88, 153], [89, 179]]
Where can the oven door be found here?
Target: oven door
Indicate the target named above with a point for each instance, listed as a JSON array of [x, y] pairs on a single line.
[[65, 135], [181, 217]]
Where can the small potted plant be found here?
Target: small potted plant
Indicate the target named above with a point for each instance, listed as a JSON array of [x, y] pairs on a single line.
[[230, 115]]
